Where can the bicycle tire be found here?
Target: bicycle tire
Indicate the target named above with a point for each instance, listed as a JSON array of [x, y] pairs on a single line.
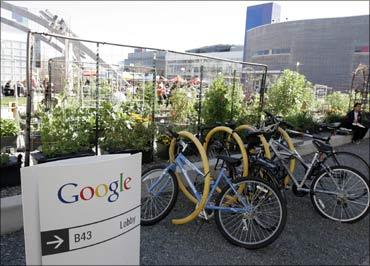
[[167, 205], [345, 158], [271, 228], [342, 199]]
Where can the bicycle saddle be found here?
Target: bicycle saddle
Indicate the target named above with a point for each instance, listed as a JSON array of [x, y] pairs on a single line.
[[229, 160], [322, 146]]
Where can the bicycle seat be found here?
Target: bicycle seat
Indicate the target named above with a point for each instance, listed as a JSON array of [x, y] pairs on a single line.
[[254, 133], [322, 146], [229, 160]]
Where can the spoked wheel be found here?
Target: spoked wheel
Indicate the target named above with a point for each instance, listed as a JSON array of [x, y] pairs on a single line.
[[256, 216], [343, 158], [342, 195], [159, 191]]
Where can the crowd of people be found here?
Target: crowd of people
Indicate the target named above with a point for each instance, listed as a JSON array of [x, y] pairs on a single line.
[[13, 89]]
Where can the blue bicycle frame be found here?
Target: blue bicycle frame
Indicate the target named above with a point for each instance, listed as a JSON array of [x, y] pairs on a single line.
[[181, 162]]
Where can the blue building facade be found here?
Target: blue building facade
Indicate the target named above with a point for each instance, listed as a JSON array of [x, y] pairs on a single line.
[[260, 15]]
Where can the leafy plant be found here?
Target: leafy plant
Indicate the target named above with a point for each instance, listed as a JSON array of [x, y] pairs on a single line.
[[122, 130], [4, 159], [302, 121], [8, 127], [182, 106], [164, 139], [67, 131], [290, 95], [216, 103], [338, 103], [333, 117]]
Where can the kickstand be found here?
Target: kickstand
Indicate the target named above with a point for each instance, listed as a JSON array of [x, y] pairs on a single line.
[[200, 224]]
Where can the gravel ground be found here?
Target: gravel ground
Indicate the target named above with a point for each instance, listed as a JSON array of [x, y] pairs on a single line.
[[308, 239]]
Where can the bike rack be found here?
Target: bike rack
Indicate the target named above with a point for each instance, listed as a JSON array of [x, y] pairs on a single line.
[[207, 180]]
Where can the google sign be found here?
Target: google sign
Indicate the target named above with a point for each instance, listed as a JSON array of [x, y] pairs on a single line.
[[111, 191]]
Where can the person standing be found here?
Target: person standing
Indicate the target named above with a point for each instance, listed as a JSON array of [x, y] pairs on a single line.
[[354, 121]]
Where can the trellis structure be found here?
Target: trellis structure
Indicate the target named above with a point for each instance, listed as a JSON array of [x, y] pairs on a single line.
[[199, 67]]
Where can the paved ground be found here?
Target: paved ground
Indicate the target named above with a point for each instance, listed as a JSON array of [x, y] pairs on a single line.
[[308, 239]]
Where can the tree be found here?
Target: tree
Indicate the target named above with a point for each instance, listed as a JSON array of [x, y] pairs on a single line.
[[338, 102], [291, 94]]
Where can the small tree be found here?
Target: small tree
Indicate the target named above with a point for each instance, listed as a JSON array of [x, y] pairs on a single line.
[[338, 102], [216, 104], [220, 98], [291, 94]]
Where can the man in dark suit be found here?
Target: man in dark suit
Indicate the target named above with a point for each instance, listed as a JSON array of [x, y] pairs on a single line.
[[354, 121]]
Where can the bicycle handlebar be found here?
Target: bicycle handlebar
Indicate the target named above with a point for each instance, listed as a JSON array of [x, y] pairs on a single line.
[[172, 134], [327, 139]]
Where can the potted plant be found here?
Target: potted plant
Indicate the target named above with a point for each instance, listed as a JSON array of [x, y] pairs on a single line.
[[9, 133], [123, 132], [65, 133], [163, 144], [10, 170]]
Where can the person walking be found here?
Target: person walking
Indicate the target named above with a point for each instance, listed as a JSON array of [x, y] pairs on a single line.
[[354, 121]]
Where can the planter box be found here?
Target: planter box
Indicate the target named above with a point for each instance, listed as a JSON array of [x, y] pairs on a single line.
[[162, 151], [10, 173], [38, 157], [11, 214], [147, 156], [35, 141], [8, 141]]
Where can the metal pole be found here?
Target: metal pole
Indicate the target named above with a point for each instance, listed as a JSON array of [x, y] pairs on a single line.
[[48, 89], [262, 95], [200, 99], [97, 101], [29, 97], [232, 96], [154, 87], [151, 48], [350, 92]]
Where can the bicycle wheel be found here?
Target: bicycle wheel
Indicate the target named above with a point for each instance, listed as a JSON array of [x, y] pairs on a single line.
[[261, 224], [159, 191], [343, 158], [342, 195]]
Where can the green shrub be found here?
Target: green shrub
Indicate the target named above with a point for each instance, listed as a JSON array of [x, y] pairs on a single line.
[[302, 121], [67, 131], [4, 159], [121, 130], [182, 106], [291, 94], [219, 99], [333, 117], [338, 103], [8, 127]]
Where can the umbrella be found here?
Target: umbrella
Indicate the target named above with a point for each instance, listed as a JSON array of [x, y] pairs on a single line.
[[195, 81], [177, 79], [161, 78], [127, 76], [88, 73]]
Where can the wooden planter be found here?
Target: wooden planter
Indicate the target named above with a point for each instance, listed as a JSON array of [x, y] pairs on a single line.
[[8, 142], [147, 156], [10, 173], [162, 151], [39, 157]]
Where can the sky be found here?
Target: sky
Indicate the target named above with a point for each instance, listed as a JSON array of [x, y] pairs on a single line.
[[179, 25]]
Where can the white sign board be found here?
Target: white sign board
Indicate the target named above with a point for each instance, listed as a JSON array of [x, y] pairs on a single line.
[[83, 211]]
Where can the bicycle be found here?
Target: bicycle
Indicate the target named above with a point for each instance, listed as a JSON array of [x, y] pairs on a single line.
[[330, 157], [248, 212], [339, 193]]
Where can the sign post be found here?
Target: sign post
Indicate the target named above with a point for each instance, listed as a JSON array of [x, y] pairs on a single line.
[[83, 211]]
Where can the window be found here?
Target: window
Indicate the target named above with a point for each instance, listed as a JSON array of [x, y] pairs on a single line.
[[362, 49], [281, 51], [261, 52]]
